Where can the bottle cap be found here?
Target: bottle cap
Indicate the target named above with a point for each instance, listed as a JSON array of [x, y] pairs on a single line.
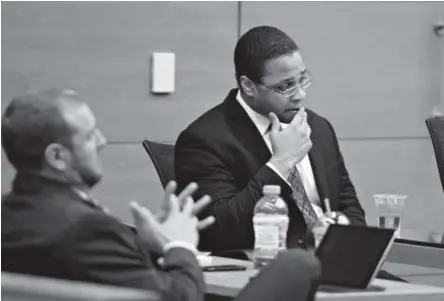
[[271, 189]]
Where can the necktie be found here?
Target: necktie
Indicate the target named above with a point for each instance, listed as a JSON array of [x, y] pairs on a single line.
[[299, 194], [300, 197]]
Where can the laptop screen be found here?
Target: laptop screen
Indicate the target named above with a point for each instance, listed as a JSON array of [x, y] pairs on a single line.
[[350, 255]]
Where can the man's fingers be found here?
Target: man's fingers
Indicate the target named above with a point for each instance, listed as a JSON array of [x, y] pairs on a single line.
[[205, 223], [170, 188], [142, 214], [160, 216], [174, 204], [201, 203], [188, 206], [307, 146], [308, 131], [299, 117], [134, 210], [302, 129], [275, 124], [343, 220], [302, 112], [187, 191], [328, 220]]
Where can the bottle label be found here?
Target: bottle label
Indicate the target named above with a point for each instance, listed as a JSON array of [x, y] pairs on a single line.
[[270, 232]]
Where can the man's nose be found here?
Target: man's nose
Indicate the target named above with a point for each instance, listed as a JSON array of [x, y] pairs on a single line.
[[300, 94]]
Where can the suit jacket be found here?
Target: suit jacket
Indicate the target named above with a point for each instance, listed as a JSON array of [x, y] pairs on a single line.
[[48, 230], [225, 154]]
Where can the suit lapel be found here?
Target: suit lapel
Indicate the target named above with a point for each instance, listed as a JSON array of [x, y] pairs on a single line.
[[317, 161], [245, 131]]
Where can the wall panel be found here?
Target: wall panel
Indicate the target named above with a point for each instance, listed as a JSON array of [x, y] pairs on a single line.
[[103, 49], [400, 167], [375, 64]]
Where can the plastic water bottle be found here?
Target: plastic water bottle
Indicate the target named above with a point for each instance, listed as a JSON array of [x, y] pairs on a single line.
[[270, 222]]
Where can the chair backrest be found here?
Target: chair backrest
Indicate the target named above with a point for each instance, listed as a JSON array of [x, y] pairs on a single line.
[[436, 130], [162, 155], [20, 287]]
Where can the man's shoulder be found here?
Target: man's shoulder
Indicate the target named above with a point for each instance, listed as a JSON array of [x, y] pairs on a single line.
[[314, 115], [48, 219], [317, 119], [212, 124], [208, 118], [82, 217]]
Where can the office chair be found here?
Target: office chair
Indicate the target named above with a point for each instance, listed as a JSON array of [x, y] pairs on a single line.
[[436, 130], [435, 126], [162, 156]]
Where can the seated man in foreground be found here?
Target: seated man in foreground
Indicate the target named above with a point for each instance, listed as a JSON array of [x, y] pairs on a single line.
[[52, 227]]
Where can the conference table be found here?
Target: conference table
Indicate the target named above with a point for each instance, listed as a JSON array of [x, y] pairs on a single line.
[[226, 285], [420, 263], [417, 262], [426, 280]]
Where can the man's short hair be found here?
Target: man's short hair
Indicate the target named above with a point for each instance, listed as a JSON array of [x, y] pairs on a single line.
[[258, 45], [31, 122]]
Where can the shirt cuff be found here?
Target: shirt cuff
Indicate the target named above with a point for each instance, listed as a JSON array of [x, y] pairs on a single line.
[[271, 166], [180, 244]]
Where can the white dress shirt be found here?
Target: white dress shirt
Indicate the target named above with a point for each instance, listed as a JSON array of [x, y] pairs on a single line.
[[262, 123]]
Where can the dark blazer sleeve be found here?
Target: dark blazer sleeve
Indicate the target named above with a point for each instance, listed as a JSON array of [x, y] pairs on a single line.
[[348, 202], [103, 250], [198, 160]]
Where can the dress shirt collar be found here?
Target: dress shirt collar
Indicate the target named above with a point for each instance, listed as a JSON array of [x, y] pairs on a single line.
[[261, 122]]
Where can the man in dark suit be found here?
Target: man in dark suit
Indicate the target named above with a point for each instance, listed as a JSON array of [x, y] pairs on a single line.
[[262, 135], [52, 227]]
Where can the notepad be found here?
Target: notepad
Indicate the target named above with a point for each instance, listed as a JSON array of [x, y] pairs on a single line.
[[204, 259]]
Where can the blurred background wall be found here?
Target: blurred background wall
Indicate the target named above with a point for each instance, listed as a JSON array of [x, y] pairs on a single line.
[[376, 69]]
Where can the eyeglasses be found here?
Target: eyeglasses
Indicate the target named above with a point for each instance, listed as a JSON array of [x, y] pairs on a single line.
[[289, 89]]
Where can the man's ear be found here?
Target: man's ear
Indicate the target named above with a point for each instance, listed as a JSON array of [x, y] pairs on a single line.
[[57, 156], [247, 86]]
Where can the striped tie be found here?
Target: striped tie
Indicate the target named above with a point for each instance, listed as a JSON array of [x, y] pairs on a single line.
[[300, 197]]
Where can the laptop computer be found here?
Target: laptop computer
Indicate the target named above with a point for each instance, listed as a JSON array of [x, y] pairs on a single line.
[[351, 256]]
